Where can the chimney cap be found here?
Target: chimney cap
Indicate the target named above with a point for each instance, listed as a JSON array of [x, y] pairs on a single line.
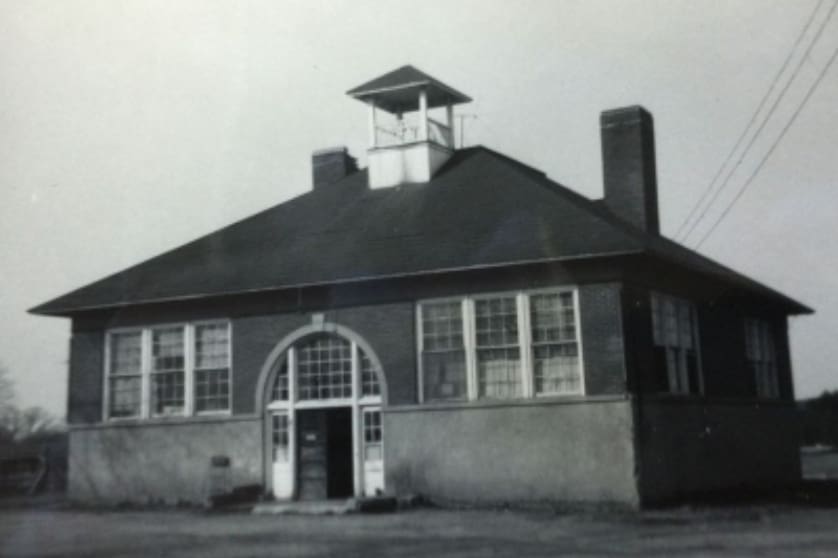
[[330, 150], [621, 115]]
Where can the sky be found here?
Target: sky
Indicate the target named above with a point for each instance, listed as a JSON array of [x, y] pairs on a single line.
[[130, 127]]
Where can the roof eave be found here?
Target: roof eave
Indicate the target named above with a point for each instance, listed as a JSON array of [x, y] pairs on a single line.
[[793, 307], [56, 310]]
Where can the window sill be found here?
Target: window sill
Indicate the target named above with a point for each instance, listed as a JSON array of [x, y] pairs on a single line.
[[166, 420], [541, 400]]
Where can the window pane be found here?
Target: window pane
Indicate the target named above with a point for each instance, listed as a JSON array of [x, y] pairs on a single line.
[[496, 322], [126, 352], [324, 368], [372, 426], [443, 356], [372, 435], [212, 390], [556, 368], [759, 350], [124, 396], [657, 320], [167, 393], [685, 325], [498, 367], [369, 377], [670, 322], [212, 346], [555, 350], [767, 343], [444, 375], [674, 331], [442, 326], [280, 390], [499, 373], [167, 349], [750, 336]]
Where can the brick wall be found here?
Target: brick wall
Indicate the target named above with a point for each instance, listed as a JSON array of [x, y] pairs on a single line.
[[602, 338], [85, 389], [383, 316]]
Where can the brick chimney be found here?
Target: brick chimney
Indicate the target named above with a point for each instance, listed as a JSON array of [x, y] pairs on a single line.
[[330, 165], [628, 166]]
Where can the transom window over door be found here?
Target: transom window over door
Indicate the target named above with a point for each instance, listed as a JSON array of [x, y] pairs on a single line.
[[323, 366]]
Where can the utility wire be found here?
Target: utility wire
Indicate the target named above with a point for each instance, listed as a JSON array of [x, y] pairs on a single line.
[[753, 119], [765, 120], [773, 146]]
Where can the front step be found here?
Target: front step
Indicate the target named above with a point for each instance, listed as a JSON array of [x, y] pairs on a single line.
[[319, 507], [378, 504]]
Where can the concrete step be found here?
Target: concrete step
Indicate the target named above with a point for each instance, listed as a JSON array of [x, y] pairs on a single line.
[[325, 507], [376, 504]]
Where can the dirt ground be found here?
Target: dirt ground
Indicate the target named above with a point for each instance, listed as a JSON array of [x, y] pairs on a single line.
[[745, 531]]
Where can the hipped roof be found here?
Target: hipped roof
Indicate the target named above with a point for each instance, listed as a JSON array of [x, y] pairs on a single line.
[[398, 91], [480, 210]]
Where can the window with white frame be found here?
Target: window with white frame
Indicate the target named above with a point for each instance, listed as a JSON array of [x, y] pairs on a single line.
[[503, 346], [762, 360], [322, 370], [372, 435], [168, 373], [675, 337], [212, 367], [443, 350], [498, 348], [170, 370], [124, 387], [555, 344]]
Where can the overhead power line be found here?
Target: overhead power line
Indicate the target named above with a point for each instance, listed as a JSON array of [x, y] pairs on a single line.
[[773, 146], [752, 120], [765, 120]]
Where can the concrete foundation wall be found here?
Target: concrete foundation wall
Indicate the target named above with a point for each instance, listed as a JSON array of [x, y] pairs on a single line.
[[689, 447], [536, 451], [166, 462]]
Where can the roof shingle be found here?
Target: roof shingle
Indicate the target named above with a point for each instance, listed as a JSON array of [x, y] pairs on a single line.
[[481, 209]]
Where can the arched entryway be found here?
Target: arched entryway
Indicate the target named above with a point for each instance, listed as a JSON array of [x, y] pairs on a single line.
[[322, 391]]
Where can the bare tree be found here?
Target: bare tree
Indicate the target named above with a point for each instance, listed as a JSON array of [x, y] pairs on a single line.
[[7, 389], [17, 423], [7, 408]]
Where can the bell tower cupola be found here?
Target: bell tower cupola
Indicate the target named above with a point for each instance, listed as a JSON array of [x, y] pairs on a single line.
[[411, 125]]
